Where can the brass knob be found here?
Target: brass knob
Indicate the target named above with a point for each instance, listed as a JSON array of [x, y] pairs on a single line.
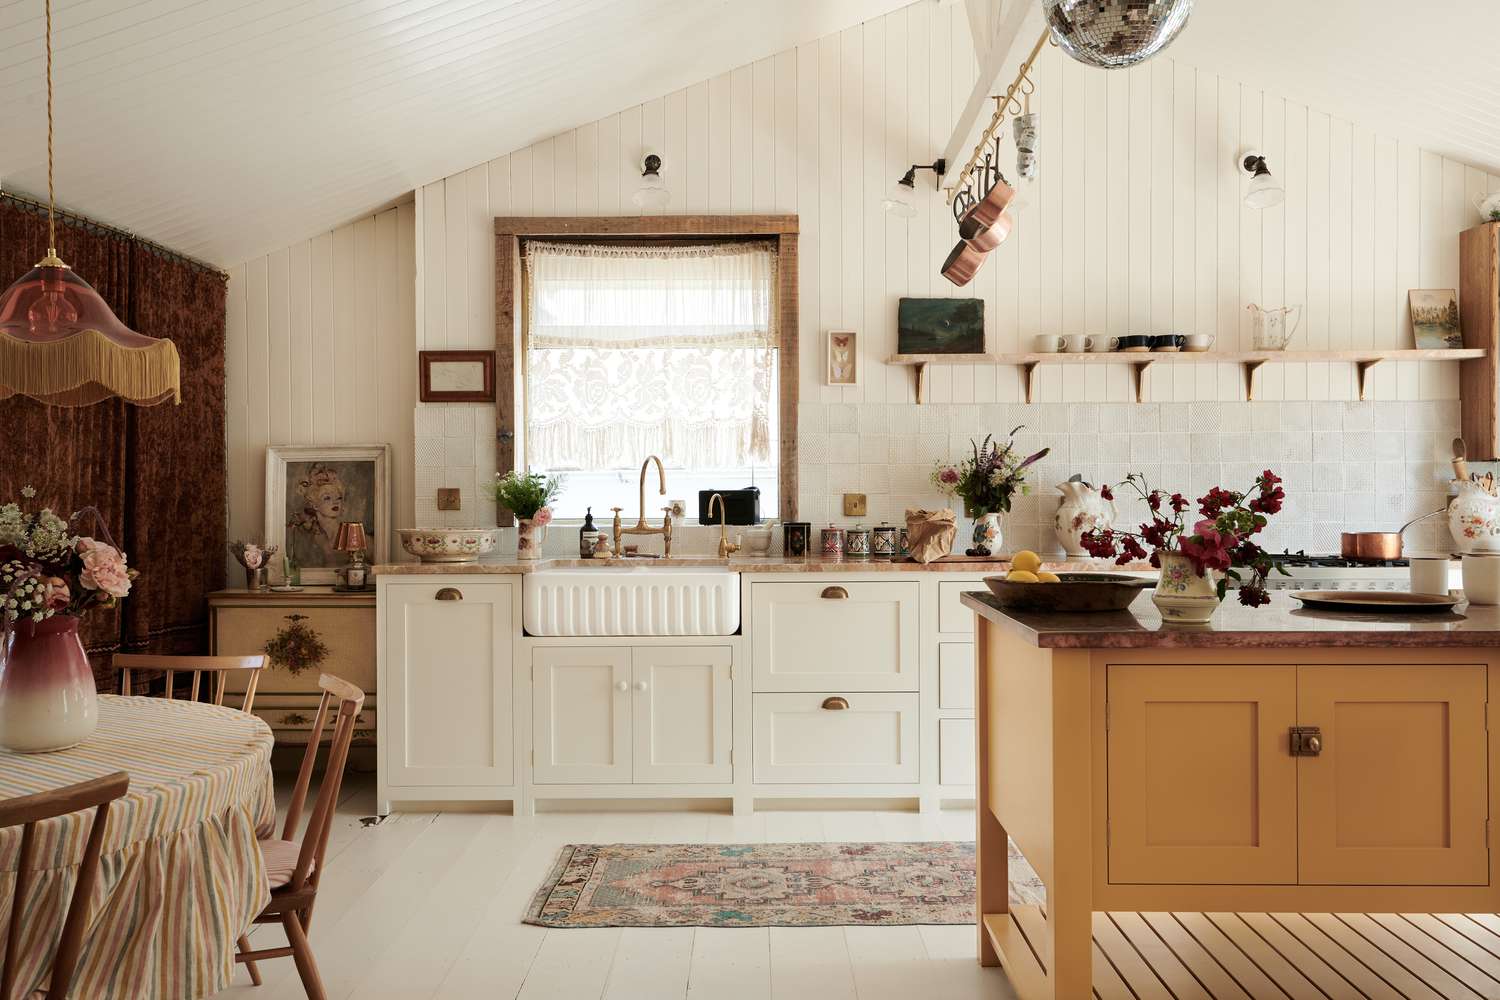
[[450, 594], [835, 593], [836, 703], [1314, 744]]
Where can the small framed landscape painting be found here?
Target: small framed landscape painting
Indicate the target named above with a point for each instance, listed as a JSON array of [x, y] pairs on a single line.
[[457, 376], [311, 489], [843, 357], [940, 326], [1434, 318]]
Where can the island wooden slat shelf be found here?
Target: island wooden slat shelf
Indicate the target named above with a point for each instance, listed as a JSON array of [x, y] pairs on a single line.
[[1250, 361]]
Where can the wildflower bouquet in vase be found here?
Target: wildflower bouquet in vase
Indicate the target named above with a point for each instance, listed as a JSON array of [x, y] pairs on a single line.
[[986, 481]]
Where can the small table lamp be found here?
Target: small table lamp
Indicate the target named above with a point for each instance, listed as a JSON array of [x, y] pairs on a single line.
[[351, 539]]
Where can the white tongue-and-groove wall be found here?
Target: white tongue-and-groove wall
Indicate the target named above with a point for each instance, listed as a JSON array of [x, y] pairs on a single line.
[[1136, 224]]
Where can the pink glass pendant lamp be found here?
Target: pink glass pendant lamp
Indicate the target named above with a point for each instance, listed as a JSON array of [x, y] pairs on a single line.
[[61, 344]]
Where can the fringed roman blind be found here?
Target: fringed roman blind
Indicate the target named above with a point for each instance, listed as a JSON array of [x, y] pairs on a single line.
[[636, 350]]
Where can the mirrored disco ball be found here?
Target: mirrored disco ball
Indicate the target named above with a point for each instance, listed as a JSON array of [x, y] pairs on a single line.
[[1114, 33]]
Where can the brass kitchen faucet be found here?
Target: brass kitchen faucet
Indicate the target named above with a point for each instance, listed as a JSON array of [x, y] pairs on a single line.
[[641, 527]]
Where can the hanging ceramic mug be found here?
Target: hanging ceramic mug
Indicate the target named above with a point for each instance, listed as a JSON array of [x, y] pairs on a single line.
[[1025, 132]]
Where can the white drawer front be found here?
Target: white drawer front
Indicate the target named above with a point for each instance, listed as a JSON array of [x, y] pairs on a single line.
[[826, 635], [956, 752], [952, 615], [955, 675], [798, 740]]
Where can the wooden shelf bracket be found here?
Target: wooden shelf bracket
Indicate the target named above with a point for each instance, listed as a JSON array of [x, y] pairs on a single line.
[[1028, 379], [919, 373], [1250, 367], [1364, 375], [1138, 378]]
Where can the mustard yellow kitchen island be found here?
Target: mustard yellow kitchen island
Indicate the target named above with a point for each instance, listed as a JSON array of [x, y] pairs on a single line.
[[1281, 803]]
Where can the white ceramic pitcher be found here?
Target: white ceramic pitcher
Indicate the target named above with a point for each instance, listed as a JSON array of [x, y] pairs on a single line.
[[1270, 331], [1082, 510]]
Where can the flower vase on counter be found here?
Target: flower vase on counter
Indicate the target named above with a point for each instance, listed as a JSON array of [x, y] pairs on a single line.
[[527, 496], [1183, 594], [1083, 509], [47, 699], [528, 545], [987, 536], [986, 481]]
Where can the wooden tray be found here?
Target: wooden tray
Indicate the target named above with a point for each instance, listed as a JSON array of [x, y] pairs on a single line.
[[1074, 592], [1398, 601]]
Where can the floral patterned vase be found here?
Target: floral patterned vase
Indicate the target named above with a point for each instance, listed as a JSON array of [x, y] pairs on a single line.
[[528, 545], [1474, 518], [987, 536], [47, 699], [1182, 596]]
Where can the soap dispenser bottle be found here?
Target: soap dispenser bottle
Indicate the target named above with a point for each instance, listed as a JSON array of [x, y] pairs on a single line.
[[587, 535]]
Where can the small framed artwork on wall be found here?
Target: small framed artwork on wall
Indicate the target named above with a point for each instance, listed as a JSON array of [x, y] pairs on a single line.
[[843, 357], [1434, 318], [457, 376]]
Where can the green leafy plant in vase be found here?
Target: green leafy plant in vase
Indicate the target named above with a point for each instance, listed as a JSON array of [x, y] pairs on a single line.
[[528, 496]]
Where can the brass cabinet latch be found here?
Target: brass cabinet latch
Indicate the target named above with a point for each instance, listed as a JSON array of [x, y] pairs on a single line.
[[1306, 741]]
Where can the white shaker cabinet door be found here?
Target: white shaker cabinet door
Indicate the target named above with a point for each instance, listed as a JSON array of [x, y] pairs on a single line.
[[448, 694], [581, 714], [683, 713]]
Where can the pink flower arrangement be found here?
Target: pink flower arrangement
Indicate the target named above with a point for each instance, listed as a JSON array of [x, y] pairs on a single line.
[[103, 568], [542, 517], [1221, 540], [46, 569]]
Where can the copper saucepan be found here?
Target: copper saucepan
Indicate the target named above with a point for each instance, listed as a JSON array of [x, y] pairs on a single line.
[[1376, 545]]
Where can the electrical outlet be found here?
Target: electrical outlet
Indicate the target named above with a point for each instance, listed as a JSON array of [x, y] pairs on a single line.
[[855, 505], [449, 498]]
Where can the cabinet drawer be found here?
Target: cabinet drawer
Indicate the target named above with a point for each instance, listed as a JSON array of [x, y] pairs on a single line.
[[798, 740], [956, 752], [955, 675], [952, 615], [827, 635]]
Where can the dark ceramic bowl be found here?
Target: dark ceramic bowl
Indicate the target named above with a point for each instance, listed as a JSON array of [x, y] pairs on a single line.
[[1074, 592]]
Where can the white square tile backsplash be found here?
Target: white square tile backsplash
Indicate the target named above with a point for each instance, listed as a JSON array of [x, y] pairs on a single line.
[[1347, 465]]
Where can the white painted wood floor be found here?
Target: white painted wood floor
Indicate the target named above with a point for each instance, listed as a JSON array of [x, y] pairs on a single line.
[[428, 905]]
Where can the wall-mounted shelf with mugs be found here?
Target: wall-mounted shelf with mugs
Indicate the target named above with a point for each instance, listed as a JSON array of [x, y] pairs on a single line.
[[1079, 349]]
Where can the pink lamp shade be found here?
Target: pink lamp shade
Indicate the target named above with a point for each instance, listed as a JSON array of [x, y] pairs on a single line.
[[62, 345], [351, 537]]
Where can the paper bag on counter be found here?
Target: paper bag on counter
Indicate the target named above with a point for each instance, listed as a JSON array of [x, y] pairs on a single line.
[[930, 533]]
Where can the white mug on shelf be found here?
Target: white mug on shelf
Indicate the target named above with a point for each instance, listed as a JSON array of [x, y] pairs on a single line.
[[1103, 345], [1198, 342], [1078, 343], [1046, 344], [1481, 578]]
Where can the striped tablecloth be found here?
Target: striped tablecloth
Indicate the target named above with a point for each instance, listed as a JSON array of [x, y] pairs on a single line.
[[181, 876]]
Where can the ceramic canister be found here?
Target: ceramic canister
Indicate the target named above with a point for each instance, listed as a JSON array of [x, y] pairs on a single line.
[[883, 541], [794, 535], [903, 544], [857, 542], [833, 540]]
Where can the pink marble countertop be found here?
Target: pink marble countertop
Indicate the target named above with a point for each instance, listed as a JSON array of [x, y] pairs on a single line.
[[743, 564], [1281, 624]]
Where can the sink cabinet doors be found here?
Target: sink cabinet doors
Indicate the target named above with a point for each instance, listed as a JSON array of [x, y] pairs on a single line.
[[1203, 786], [621, 714]]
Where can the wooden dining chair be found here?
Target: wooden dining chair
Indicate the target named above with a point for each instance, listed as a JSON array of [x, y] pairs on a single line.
[[26, 812], [292, 868], [219, 666]]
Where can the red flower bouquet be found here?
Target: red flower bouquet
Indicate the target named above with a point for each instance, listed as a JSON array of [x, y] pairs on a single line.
[[1221, 540]]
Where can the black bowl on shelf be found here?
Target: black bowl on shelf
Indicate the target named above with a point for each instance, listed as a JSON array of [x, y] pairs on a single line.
[[1074, 592]]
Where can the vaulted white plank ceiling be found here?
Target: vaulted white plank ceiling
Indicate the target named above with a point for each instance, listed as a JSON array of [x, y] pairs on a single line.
[[224, 128]]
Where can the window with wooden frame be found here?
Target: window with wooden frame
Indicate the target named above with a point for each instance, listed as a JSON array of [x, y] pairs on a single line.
[[618, 338]]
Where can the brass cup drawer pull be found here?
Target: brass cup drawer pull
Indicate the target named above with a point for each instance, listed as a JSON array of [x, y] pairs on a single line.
[[835, 593], [450, 594], [835, 704], [1306, 741]]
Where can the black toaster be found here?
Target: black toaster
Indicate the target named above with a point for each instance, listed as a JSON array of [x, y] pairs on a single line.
[[740, 506]]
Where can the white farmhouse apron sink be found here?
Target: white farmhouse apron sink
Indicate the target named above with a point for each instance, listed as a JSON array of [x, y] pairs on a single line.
[[632, 600]]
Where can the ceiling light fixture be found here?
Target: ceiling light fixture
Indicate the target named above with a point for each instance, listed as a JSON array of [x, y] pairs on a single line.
[[60, 343], [1264, 190], [901, 199], [1111, 34], [653, 191]]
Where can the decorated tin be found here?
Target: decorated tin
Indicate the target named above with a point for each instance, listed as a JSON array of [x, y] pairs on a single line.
[[857, 542], [833, 540], [903, 545], [794, 536], [883, 544]]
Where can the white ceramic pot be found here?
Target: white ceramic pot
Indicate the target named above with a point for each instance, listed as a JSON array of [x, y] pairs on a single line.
[[1083, 509], [447, 545], [1474, 518], [1182, 596], [1482, 578], [987, 535]]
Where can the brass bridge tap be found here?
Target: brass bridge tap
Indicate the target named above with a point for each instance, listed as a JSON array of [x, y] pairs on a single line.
[[641, 527]]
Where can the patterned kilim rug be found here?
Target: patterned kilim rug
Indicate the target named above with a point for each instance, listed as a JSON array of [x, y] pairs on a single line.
[[766, 885]]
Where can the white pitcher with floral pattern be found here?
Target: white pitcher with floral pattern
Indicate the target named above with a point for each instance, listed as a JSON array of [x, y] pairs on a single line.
[[1083, 509]]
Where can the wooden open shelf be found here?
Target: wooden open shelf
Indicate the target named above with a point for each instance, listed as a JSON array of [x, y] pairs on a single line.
[[1250, 361]]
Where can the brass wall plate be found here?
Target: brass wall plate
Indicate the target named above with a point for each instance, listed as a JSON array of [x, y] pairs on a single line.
[[449, 498], [855, 505]]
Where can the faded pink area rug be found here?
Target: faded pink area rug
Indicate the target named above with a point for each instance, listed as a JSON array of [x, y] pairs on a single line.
[[766, 885]]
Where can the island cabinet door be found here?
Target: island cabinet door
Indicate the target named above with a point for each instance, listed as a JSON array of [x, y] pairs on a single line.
[[581, 714], [1201, 788], [1398, 792]]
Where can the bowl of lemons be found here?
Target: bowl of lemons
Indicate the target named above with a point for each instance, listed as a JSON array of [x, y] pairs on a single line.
[[1028, 587]]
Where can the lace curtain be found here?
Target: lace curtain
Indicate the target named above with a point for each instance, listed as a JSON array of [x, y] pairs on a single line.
[[649, 350]]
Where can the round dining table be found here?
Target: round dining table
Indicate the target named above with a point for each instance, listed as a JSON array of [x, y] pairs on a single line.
[[181, 875]]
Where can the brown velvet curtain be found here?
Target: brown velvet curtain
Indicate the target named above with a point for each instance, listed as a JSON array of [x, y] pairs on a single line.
[[156, 474]]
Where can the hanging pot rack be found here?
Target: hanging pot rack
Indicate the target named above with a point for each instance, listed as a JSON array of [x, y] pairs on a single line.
[[983, 164]]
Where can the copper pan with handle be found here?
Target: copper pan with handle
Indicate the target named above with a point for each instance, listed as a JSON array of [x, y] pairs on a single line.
[[1376, 546]]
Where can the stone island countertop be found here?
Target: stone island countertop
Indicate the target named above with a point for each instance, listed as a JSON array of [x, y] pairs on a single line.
[[1281, 624]]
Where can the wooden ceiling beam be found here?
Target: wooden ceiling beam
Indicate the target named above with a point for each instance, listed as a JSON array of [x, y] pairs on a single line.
[[1018, 20]]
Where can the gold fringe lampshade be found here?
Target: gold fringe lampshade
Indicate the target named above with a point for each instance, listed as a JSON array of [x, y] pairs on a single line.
[[62, 345]]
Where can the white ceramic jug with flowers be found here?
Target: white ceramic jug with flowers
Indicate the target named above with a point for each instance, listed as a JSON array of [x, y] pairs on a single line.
[[1083, 509]]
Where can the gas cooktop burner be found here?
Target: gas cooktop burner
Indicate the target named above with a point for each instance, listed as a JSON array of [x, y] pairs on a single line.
[[1300, 558]]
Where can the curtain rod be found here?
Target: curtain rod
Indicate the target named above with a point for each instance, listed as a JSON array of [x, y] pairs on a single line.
[[92, 225]]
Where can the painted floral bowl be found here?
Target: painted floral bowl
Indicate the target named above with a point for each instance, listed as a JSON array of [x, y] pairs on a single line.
[[447, 545]]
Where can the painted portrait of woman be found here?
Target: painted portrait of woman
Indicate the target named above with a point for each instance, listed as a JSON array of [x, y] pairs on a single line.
[[319, 496]]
